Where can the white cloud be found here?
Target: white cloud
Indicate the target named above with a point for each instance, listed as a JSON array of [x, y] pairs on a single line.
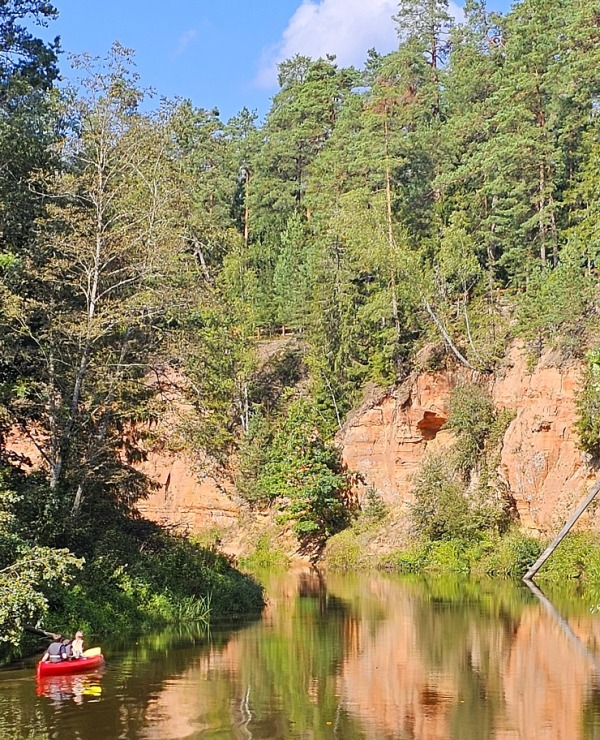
[[183, 42], [346, 28]]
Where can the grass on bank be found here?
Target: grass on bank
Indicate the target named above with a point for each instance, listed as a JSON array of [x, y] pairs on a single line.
[[491, 554], [264, 557], [176, 580], [132, 581]]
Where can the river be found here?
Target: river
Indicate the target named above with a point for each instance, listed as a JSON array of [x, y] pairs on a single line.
[[340, 656]]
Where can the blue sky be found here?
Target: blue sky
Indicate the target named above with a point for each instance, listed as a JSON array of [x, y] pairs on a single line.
[[223, 53]]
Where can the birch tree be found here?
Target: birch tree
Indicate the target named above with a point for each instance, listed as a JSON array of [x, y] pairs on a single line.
[[111, 277]]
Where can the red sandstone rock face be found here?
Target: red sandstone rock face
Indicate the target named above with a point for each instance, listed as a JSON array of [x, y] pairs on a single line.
[[387, 439], [541, 464], [187, 497], [192, 493]]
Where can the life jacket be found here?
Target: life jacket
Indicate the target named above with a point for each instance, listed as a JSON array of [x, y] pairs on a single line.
[[56, 651]]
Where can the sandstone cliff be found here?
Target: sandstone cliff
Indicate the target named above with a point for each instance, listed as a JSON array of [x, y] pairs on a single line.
[[541, 465], [386, 439]]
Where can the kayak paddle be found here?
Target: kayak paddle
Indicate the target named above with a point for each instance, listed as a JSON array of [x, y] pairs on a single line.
[[92, 652]]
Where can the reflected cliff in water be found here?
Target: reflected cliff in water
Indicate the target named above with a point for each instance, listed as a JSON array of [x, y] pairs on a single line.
[[348, 656]]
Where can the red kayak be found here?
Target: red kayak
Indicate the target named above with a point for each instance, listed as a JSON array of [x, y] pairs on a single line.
[[68, 666]]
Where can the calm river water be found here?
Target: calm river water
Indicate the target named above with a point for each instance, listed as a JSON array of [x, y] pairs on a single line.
[[340, 656]]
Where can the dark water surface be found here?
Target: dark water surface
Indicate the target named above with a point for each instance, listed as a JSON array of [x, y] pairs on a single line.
[[341, 656]]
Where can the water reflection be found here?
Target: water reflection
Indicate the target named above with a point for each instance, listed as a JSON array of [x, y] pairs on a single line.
[[77, 688], [342, 656]]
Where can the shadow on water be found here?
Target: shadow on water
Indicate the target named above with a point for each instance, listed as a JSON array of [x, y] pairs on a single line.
[[341, 656]]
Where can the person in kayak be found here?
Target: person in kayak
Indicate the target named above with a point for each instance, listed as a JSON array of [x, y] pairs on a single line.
[[68, 649], [77, 646], [55, 652]]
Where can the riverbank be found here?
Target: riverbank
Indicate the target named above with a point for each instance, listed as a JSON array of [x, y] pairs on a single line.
[[141, 581], [490, 554], [386, 545]]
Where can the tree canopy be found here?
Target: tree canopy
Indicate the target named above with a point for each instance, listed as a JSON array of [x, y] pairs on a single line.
[[445, 195]]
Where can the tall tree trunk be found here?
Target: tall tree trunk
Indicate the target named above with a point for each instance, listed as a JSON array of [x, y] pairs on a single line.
[[246, 208], [390, 231], [541, 215], [96, 441], [92, 294]]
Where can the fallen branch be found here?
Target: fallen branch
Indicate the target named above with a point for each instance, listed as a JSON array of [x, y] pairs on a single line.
[[446, 336], [40, 632]]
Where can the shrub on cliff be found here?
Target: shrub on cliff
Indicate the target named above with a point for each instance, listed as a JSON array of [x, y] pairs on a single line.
[[446, 508], [511, 555], [304, 475], [440, 510], [588, 406], [477, 424], [456, 495]]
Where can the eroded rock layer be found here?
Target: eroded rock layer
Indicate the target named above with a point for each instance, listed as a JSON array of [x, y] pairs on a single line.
[[540, 464]]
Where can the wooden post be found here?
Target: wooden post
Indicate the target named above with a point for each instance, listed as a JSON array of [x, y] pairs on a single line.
[[563, 533]]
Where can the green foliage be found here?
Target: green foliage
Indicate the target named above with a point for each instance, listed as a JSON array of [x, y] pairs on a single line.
[[447, 556], [577, 556], [373, 507], [253, 456], [445, 509], [27, 61], [412, 559], [290, 276], [208, 539], [268, 395], [345, 551], [471, 416], [441, 508], [442, 556], [25, 583], [28, 571], [456, 500], [472, 413], [108, 279], [264, 557], [217, 369], [588, 406], [166, 579], [510, 555], [305, 474], [556, 306]]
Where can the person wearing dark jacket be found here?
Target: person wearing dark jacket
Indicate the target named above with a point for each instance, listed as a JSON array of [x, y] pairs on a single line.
[[56, 651]]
